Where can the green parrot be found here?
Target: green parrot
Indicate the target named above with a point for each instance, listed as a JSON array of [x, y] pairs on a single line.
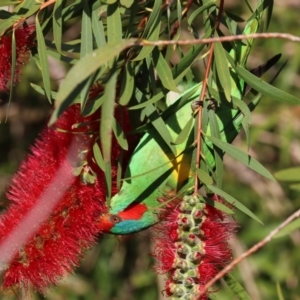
[[156, 173]]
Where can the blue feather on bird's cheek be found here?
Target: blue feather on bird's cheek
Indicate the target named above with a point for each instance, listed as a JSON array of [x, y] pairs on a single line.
[[128, 226]]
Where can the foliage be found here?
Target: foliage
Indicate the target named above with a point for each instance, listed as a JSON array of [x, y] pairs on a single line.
[[110, 48]]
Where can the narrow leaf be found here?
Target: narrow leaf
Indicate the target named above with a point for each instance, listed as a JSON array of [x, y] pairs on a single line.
[[164, 71], [107, 117], [233, 201], [106, 123], [222, 69], [218, 205], [244, 158], [86, 43], [294, 225], [204, 177], [86, 47], [153, 19], [279, 291], [295, 187], [291, 174], [199, 10], [57, 24], [262, 86], [126, 3], [160, 126], [215, 131], [146, 50], [119, 134], [127, 86], [12, 71], [184, 134], [236, 288], [41, 90], [84, 68], [43, 58], [247, 116], [98, 156], [98, 29], [114, 25]]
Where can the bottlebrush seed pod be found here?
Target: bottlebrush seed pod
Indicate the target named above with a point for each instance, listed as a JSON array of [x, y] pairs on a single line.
[[200, 250]]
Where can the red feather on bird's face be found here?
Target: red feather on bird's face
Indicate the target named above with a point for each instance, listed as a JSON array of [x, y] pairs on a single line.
[[133, 212]]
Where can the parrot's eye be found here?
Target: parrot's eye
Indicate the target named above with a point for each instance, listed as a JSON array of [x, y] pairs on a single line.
[[115, 219]]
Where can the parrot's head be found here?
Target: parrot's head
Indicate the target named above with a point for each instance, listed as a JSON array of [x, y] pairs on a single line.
[[135, 217]]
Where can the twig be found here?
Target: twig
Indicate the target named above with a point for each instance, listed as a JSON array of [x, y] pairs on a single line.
[[201, 99], [228, 38], [253, 249]]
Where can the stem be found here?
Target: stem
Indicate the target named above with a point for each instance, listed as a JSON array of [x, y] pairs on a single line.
[[253, 249], [229, 38], [201, 99]]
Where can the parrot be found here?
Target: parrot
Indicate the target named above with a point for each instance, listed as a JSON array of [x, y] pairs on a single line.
[[155, 173], [160, 172]]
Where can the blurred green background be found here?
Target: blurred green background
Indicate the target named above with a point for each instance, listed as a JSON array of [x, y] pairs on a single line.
[[121, 268]]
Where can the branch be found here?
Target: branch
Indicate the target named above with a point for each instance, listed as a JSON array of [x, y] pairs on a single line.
[[228, 38], [253, 249]]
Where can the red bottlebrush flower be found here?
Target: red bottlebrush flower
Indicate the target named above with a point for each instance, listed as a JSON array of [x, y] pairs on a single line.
[[191, 244], [53, 215], [24, 41]]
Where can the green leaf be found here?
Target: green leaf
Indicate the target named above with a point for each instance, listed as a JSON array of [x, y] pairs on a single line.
[[114, 25], [185, 63], [126, 3], [12, 71], [279, 291], [86, 47], [5, 24], [41, 90], [93, 105], [146, 50], [11, 2], [184, 134], [222, 69], [127, 85], [262, 86], [106, 124], [57, 24], [153, 20], [236, 288], [233, 201], [215, 132], [107, 117], [294, 225], [291, 174], [28, 8], [199, 10], [244, 158], [86, 42], [109, 2], [243, 107], [84, 68], [43, 58], [164, 71], [204, 177], [158, 96], [98, 29], [295, 187], [98, 156], [119, 134], [160, 126], [218, 205]]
